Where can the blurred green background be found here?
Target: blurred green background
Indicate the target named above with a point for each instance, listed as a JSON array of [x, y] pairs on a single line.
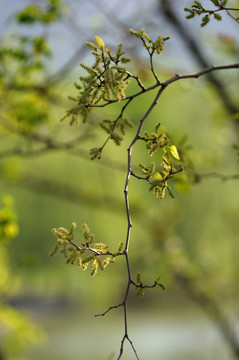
[[194, 235]]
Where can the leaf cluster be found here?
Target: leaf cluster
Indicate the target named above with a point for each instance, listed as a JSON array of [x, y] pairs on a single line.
[[106, 80], [29, 111], [158, 177], [197, 9], [33, 14], [115, 129], [87, 253], [23, 58], [22, 71], [109, 126], [141, 286], [151, 46], [155, 140], [119, 124]]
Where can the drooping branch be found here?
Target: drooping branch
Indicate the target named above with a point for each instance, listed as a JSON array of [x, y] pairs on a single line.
[[98, 78], [163, 86], [129, 227]]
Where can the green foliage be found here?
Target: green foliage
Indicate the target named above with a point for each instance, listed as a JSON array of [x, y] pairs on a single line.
[[158, 176], [21, 61], [17, 332], [155, 140], [88, 253], [23, 57], [217, 16], [198, 9], [205, 20], [95, 153], [111, 127], [151, 46], [32, 14], [141, 286], [29, 111], [106, 79], [100, 43]]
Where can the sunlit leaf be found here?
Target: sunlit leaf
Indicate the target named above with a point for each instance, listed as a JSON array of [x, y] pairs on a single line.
[[174, 152], [100, 42]]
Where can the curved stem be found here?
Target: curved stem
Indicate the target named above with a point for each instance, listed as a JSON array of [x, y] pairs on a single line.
[[129, 222]]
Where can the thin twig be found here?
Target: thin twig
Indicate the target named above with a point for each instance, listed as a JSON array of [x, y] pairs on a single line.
[[110, 308], [88, 248], [139, 177], [152, 68], [115, 124], [137, 79]]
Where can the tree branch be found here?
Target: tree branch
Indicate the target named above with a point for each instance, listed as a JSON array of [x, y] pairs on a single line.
[[167, 10], [195, 75]]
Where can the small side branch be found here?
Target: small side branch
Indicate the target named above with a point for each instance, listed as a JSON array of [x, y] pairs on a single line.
[[144, 286], [139, 177], [137, 79], [88, 248], [152, 68], [114, 126], [109, 309], [200, 73]]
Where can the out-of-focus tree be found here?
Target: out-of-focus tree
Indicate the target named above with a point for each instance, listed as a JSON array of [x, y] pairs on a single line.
[[17, 332]]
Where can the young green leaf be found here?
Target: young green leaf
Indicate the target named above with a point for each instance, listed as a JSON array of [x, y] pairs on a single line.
[[100, 42], [174, 152]]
